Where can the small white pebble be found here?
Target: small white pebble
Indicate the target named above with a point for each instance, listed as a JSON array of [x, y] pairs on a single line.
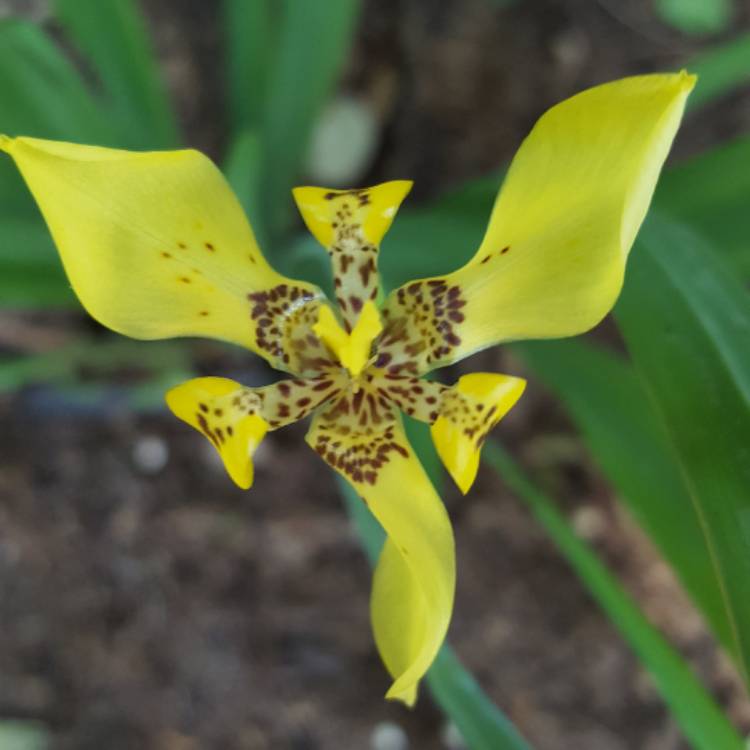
[[150, 454], [589, 522], [388, 736], [451, 737], [343, 142]]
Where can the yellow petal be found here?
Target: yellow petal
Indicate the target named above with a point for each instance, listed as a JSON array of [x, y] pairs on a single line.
[[235, 418], [414, 583], [372, 209], [352, 349], [553, 258], [205, 403], [156, 245], [350, 225], [468, 412]]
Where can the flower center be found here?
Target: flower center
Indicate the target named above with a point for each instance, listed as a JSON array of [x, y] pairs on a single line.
[[352, 349]]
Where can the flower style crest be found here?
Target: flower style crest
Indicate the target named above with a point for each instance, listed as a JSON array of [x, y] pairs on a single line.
[[156, 245]]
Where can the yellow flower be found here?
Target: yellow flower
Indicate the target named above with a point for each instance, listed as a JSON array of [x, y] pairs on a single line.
[[156, 245]]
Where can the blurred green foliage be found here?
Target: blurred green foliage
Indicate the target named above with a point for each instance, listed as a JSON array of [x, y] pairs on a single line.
[[696, 16]]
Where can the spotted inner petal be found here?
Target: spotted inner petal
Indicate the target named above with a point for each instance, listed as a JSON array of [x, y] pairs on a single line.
[[283, 318], [235, 418], [350, 225], [420, 399], [422, 326], [468, 411]]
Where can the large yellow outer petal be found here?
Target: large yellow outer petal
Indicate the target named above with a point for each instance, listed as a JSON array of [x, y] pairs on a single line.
[[156, 245], [414, 583], [553, 258]]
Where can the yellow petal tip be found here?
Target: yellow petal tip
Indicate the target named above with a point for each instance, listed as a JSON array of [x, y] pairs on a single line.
[[202, 403], [352, 349], [371, 208], [407, 696], [469, 411]]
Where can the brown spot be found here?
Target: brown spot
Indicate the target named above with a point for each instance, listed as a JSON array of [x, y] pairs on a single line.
[[209, 246], [182, 245], [505, 250], [184, 280], [166, 255], [203, 313]]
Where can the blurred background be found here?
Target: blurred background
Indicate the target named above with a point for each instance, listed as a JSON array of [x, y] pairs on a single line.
[[146, 602]]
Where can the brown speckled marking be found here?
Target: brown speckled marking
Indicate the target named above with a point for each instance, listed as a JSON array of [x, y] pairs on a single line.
[[279, 404], [417, 398], [421, 326], [357, 451], [354, 259], [473, 417], [283, 317]]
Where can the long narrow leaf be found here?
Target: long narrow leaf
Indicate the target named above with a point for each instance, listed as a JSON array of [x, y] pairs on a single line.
[[112, 35], [242, 168], [313, 41], [686, 321], [608, 403], [710, 193], [40, 92], [720, 71], [698, 715], [249, 34]]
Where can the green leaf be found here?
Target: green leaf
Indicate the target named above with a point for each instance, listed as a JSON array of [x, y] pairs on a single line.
[[720, 71], [41, 94], [696, 16], [482, 725], [710, 193], [242, 169], [686, 322], [314, 38], [112, 35], [249, 34], [609, 405], [440, 238], [22, 735], [100, 357], [693, 708]]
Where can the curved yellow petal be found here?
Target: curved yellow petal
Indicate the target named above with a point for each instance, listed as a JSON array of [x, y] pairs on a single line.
[[156, 245], [236, 418], [372, 209], [205, 403], [414, 583], [553, 257], [468, 412], [352, 349], [350, 225]]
